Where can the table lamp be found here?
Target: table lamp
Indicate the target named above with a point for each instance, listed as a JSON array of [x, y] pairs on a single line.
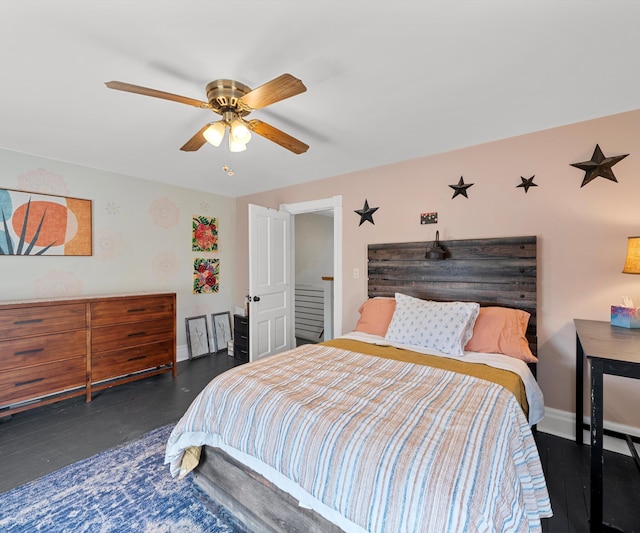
[[628, 316], [632, 264]]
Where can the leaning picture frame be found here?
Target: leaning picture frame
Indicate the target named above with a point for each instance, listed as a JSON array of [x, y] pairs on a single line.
[[222, 334], [197, 336]]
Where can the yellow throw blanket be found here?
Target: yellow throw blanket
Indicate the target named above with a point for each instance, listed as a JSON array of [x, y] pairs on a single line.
[[508, 380]]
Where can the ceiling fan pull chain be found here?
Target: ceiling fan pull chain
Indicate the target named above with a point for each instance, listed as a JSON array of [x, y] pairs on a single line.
[[226, 167]]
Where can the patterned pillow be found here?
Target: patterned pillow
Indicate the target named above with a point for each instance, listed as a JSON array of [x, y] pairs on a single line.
[[442, 326]]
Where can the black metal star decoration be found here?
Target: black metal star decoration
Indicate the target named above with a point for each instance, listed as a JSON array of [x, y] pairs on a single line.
[[598, 166], [366, 213], [460, 188], [526, 183]]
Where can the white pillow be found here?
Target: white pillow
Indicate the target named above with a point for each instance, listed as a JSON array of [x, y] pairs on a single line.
[[442, 326]]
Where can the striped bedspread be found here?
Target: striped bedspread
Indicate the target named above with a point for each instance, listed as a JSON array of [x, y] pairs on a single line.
[[392, 446]]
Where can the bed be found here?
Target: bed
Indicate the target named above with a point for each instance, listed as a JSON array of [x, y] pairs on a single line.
[[374, 432]]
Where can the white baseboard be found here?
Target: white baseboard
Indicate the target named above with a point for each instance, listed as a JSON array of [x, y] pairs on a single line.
[[182, 353], [563, 424]]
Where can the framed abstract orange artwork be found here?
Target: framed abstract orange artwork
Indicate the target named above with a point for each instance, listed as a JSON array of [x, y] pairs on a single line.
[[41, 224]]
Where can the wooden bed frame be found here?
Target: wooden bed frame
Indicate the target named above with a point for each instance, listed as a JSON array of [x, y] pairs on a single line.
[[493, 272]]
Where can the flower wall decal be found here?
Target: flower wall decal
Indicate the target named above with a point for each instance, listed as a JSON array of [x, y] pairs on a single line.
[[43, 181], [165, 265], [112, 208], [58, 283], [164, 212], [110, 245]]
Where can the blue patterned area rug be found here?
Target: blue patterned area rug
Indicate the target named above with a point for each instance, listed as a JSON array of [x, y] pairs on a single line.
[[126, 489]]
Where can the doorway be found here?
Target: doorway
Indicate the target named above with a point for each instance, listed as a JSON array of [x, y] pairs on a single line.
[[313, 275], [330, 208]]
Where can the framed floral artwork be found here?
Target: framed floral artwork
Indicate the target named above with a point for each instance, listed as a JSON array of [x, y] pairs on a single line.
[[204, 236], [43, 224], [206, 275]]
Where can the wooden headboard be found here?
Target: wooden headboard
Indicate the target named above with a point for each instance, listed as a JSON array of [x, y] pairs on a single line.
[[493, 272]]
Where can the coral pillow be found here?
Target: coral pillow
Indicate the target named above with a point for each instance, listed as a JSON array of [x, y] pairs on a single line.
[[375, 315], [502, 330]]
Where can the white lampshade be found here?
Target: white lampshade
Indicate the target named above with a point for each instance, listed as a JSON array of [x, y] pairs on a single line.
[[236, 146], [632, 264], [215, 133], [240, 132]]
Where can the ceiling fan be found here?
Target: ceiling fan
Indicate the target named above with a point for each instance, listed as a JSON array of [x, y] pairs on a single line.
[[233, 101]]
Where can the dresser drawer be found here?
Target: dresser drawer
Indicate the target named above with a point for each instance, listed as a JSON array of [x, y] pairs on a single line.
[[241, 326], [27, 383], [42, 349], [122, 362], [40, 320], [109, 338], [241, 352], [241, 337], [127, 310]]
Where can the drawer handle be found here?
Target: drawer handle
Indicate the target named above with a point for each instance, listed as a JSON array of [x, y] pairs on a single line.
[[138, 334], [136, 358], [138, 310], [30, 321], [21, 383], [25, 352]]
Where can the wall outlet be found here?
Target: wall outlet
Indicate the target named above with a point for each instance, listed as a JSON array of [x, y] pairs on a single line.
[[356, 273], [428, 218]]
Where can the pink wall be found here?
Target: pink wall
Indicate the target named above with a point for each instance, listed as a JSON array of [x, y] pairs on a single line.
[[582, 232]]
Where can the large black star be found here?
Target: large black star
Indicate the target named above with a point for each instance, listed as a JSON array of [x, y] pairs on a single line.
[[526, 183], [460, 188], [366, 213], [598, 166]]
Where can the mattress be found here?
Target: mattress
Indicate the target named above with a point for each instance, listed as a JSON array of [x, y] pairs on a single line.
[[377, 443]]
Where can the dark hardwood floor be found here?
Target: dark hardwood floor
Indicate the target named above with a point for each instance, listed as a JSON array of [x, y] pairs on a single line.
[[39, 441], [566, 468], [45, 439]]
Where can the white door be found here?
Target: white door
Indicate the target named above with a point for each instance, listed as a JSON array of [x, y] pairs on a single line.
[[269, 282]]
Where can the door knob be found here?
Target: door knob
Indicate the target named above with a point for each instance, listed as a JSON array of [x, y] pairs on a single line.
[[256, 298]]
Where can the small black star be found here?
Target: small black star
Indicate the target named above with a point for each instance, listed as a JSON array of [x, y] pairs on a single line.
[[461, 188], [366, 213], [598, 166], [526, 183]]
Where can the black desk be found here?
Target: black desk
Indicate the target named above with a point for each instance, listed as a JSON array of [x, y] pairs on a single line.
[[611, 350]]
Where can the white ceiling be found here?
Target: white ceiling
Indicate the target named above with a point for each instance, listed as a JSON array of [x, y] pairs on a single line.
[[387, 81]]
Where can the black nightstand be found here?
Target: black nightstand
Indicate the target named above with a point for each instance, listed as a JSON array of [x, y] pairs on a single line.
[[610, 350], [241, 338]]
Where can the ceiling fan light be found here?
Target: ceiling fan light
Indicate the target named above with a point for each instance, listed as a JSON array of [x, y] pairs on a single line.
[[240, 132], [236, 146], [215, 133]]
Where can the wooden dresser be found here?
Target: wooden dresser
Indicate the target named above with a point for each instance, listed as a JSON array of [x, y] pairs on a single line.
[[51, 350]]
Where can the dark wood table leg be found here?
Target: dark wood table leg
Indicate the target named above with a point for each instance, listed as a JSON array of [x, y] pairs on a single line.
[[596, 445], [579, 390]]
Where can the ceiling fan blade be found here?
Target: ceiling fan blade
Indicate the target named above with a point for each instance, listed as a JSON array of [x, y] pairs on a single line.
[[273, 91], [196, 142], [279, 137], [128, 87]]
